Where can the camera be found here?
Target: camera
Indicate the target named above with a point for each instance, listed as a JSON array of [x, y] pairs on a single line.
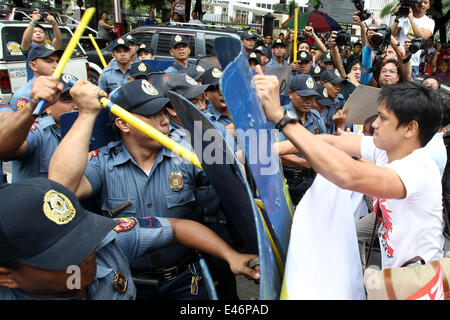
[[382, 36], [363, 14], [43, 16], [342, 37], [417, 44], [301, 36], [403, 11]]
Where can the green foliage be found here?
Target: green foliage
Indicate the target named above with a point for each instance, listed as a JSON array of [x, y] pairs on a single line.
[[389, 9], [316, 4]]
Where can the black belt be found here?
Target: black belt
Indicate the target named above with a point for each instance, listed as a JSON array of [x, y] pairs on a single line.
[[297, 175], [166, 273]]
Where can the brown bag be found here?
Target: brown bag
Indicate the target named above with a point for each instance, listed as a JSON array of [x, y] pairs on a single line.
[[402, 282]]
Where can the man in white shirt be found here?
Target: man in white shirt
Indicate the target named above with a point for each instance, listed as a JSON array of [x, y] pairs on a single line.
[[405, 180], [417, 24]]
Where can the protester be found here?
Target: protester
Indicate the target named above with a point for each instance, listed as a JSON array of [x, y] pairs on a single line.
[[151, 19]]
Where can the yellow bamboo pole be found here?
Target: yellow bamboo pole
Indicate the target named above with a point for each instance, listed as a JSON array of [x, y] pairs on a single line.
[[295, 33], [68, 53], [102, 59], [151, 132]]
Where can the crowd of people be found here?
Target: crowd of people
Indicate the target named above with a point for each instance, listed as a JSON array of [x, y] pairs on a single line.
[[151, 208]]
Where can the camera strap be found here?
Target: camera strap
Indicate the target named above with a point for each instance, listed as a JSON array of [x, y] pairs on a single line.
[[407, 58]]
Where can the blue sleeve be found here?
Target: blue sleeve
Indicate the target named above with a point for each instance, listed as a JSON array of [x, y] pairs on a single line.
[[366, 64], [93, 172]]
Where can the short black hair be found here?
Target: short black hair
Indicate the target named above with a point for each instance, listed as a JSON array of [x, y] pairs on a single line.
[[411, 101], [370, 120], [432, 77], [304, 41], [445, 106]]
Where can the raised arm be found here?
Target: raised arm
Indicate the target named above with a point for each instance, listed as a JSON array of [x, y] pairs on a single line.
[[74, 147], [57, 41], [15, 126], [28, 33]]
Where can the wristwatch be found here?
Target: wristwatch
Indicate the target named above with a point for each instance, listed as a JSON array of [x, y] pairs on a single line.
[[289, 117]]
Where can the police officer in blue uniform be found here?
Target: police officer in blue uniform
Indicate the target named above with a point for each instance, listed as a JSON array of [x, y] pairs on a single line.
[[52, 248], [32, 140], [137, 176], [134, 46], [248, 39], [278, 51], [303, 63], [43, 60], [332, 81], [115, 75], [3, 107], [180, 51], [302, 92]]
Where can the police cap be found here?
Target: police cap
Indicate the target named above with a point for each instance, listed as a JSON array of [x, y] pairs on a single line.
[[178, 39], [120, 42], [333, 76], [139, 69], [304, 85], [140, 97], [212, 76], [50, 230], [183, 84], [322, 99], [145, 47], [43, 51], [303, 55]]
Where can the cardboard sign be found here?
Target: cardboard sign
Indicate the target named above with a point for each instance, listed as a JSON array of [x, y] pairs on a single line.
[[362, 104]]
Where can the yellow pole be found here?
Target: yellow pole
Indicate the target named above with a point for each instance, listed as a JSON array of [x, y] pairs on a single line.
[[68, 53], [151, 132], [295, 33], [102, 59]]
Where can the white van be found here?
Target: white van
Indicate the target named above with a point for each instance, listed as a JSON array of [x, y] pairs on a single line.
[[13, 72]]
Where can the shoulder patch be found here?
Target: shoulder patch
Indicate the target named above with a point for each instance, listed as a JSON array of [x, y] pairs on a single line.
[[20, 103], [33, 127], [125, 224], [149, 222], [92, 154]]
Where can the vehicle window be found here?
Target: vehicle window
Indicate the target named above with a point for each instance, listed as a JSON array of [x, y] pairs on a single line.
[[209, 44], [66, 35], [163, 46], [143, 37]]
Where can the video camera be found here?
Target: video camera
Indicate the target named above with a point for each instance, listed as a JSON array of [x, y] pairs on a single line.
[[381, 38], [417, 44], [301, 36], [403, 11], [363, 14], [342, 38]]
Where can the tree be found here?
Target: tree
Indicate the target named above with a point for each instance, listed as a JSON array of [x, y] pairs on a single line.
[[292, 5], [316, 4]]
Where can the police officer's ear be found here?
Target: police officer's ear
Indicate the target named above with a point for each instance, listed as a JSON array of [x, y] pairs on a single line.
[[122, 125], [171, 111], [32, 65], [7, 278]]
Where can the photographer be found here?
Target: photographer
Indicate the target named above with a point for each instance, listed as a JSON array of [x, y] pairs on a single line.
[[416, 24], [34, 35]]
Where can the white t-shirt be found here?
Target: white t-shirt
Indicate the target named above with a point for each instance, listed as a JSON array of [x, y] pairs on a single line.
[[411, 226], [407, 32]]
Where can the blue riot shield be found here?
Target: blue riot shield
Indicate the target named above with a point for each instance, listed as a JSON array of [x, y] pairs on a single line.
[[158, 65], [228, 179], [256, 135]]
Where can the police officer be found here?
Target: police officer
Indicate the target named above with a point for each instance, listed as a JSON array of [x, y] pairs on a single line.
[[196, 72], [302, 92], [145, 52], [139, 70], [30, 141], [248, 39], [263, 53], [303, 63], [134, 46], [136, 176], [278, 51], [326, 61], [66, 252], [115, 75], [180, 51], [3, 107], [332, 81], [253, 60], [321, 102], [43, 60]]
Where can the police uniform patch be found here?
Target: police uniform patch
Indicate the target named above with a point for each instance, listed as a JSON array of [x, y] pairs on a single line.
[[125, 224], [142, 67], [190, 80], [149, 223], [92, 154], [328, 55], [325, 92], [200, 68], [58, 208], [178, 38], [303, 55], [20, 103], [120, 41], [252, 55], [148, 88], [175, 181], [129, 37], [216, 73], [310, 83], [120, 283], [49, 47], [143, 46]]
